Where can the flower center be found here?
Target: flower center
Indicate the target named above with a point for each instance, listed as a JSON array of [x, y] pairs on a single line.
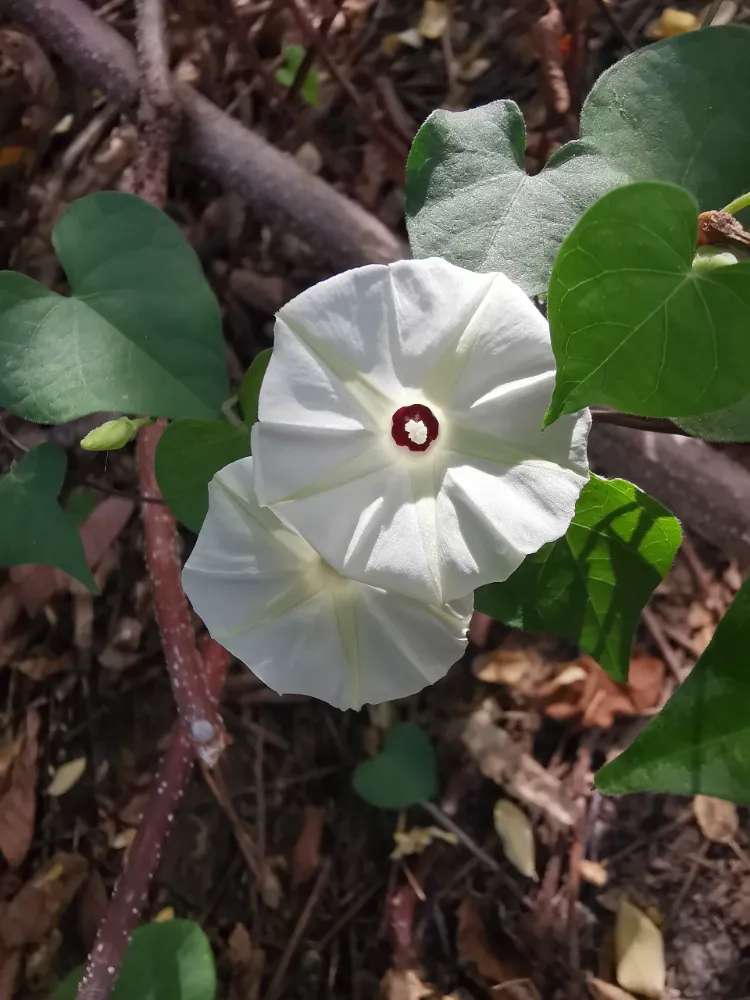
[[414, 427]]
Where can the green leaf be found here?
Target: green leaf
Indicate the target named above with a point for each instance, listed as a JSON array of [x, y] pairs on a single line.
[[675, 111], [165, 961], [188, 456], [729, 424], [294, 55], [404, 773], [250, 387], [141, 332], [590, 586], [632, 324], [80, 504], [33, 527], [700, 741]]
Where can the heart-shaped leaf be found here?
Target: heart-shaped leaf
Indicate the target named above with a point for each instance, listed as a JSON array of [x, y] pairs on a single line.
[[250, 387], [140, 333], [165, 961], [33, 526], [700, 741], [404, 773], [729, 424], [675, 111], [591, 585], [632, 324], [188, 456]]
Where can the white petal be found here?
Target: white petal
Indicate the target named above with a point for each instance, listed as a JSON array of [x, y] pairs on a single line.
[[272, 602], [489, 490]]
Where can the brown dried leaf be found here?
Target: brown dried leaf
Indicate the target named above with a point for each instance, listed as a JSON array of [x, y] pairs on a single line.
[[248, 963], [472, 945], [306, 854], [514, 828], [39, 668], [671, 22], [606, 991], [717, 818], [434, 19], [506, 666], [593, 872], [598, 699], [36, 909], [18, 795], [547, 35], [405, 984]]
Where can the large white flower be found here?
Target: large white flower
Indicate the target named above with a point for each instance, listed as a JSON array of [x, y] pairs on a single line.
[[299, 625], [400, 426]]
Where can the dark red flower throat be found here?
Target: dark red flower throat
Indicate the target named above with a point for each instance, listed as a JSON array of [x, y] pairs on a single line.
[[414, 427]]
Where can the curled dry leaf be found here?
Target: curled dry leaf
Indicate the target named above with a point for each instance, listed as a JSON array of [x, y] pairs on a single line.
[[639, 952], [18, 793], [405, 984], [717, 818], [36, 909], [593, 872], [512, 667], [514, 828], [597, 698], [65, 776], [547, 35]]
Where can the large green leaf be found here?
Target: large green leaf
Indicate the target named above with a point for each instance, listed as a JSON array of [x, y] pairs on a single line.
[[729, 424], [632, 324], [188, 456], [140, 333], [165, 961], [675, 111], [591, 585], [33, 526], [700, 741], [404, 773]]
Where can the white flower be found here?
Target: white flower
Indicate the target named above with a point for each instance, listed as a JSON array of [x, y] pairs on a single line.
[[272, 601], [400, 422]]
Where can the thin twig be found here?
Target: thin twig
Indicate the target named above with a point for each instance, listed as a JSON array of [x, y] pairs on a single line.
[[711, 13], [131, 892], [615, 24], [445, 821], [304, 919], [670, 657]]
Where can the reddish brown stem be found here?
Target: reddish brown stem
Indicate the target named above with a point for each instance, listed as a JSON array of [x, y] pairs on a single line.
[[172, 612], [131, 892]]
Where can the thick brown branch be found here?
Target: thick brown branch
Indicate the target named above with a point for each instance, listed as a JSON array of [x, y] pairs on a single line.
[[274, 185], [131, 892], [659, 425]]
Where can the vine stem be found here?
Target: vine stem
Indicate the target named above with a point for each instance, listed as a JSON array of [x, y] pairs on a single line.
[[131, 891], [738, 204]]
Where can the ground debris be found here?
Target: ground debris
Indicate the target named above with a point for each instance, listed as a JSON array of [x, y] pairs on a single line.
[[18, 773]]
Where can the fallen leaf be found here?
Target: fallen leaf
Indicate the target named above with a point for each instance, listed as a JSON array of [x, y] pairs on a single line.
[[472, 945], [38, 964], [672, 22], [596, 698], [65, 776], [434, 19], [39, 668], [306, 854], [606, 991], [699, 616], [514, 828], [18, 794], [639, 952], [247, 962], [164, 915], [390, 44], [30, 916], [717, 818], [547, 35], [504, 762], [593, 872]]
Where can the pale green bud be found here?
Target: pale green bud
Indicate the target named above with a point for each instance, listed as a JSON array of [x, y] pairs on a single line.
[[113, 434], [710, 257]]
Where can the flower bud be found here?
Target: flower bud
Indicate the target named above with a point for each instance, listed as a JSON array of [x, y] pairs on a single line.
[[708, 258], [113, 434]]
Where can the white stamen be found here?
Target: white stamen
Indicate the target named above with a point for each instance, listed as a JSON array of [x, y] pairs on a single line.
[[416, 431]]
